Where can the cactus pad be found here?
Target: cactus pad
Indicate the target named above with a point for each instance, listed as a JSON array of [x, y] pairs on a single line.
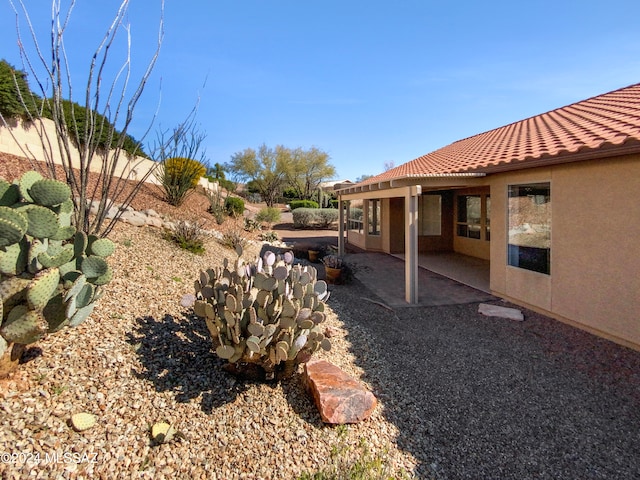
[[13, 226], [50, 259], [93, 266], [48, 192], [102, 247], [82, 421], [43, 222], [23, 325], [26, 181], [9, 193], [13, 260], [42, 287], [81, 315]]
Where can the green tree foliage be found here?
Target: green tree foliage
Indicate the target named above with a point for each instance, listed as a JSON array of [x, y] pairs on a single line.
[[306, 170], [13, 88], [18, 101], [266, 168], [303, 204], [272, 170]]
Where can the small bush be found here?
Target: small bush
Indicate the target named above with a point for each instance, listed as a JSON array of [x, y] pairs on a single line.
[[326, 216], [216, 205], [178, 176], [270, 237], [233, 237], [188, 236], [314, 217], [268, 215], [294, 204], [251, 225], [234, 206], [303, 217], [333, 203]]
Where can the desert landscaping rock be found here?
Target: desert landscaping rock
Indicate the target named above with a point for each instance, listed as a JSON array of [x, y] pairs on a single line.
[[503, 312], [340, 398]]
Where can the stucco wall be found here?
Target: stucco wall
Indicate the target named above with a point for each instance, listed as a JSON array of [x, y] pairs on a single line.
[[22, 138], [595, 247]]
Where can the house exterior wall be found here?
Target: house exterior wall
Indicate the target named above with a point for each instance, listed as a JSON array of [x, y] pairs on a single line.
[[594, 281]]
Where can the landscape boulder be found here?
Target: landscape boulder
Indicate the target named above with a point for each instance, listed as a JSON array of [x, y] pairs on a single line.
[[340, 398]]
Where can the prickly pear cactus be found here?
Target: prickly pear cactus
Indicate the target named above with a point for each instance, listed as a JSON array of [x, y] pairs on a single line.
[[50, 274], [266, 313]]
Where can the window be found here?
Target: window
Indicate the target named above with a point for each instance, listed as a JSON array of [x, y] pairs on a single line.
[[355, 216], [374, 217], [430, 215], [487, 221], [530, 227], [469, 222]]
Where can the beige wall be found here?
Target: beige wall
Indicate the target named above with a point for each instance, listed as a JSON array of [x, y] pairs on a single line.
[[595, 247], [25, 141]]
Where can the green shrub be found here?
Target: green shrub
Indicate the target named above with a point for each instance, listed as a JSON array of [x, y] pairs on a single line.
[[268, 215], [303, 204], [314, 217], [326, 216], [303, 217], [333, 203], [234, 206]]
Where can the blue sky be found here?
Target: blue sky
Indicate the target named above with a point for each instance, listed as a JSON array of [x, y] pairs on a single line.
[[369, 82]]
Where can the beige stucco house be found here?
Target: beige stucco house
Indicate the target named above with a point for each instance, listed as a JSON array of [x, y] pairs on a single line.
[[552, 202]]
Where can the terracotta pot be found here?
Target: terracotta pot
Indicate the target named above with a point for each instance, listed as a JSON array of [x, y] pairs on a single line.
[[313, 256], [10, 358], [332, 274]]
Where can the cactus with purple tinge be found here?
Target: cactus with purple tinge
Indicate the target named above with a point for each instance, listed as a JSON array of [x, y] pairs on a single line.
[[266, 312]]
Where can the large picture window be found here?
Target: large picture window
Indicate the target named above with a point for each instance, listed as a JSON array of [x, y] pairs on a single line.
[[530, 227]]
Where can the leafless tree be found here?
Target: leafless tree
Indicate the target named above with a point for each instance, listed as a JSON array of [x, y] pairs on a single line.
[[107, 102]]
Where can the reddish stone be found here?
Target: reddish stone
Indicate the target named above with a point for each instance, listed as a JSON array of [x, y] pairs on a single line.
[[339, 397]]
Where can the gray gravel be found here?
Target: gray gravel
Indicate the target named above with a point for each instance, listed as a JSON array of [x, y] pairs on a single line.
[[483, 397]]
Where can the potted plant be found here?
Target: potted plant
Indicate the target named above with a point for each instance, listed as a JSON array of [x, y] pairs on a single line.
[[332, 267]]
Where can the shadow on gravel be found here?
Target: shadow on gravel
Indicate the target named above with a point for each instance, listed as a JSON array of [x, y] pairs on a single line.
[[176, 356], [484, 397]]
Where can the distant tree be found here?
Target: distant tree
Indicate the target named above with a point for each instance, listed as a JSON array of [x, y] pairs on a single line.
[[266, 168], [389, 165], [15, 95], [217, 172], [306, 170], [362, 178]]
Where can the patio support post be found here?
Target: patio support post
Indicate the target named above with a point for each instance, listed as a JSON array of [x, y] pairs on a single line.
[[340, 225], [411, 243]]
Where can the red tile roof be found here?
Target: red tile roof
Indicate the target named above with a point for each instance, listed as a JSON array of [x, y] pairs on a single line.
[[605, 125]]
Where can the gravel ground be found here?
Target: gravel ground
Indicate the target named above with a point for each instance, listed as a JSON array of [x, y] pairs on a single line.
[[481, 397], [461, 395], [142, 358]]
